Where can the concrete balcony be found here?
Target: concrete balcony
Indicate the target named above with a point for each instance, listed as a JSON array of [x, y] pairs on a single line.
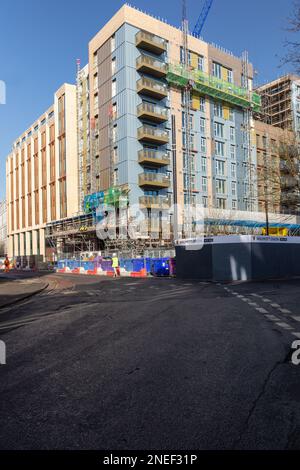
[[153, 88], [154, 135], [154, 180], [153, 157], [152, 112], [150, 42], [155, 202], [147, 64]]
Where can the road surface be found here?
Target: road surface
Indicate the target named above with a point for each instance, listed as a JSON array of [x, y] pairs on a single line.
[[151, 364]]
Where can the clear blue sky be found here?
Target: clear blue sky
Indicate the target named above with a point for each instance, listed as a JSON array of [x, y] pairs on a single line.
[[40, 41]]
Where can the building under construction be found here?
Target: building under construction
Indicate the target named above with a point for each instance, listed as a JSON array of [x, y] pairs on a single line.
[[165, 124], [280, 103]]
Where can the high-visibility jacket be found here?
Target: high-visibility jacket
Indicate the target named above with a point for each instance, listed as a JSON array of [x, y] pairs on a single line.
[[115, 262]]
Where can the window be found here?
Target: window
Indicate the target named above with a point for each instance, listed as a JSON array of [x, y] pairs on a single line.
[[219, 148], [204, 184], [113, 66], [218, 110], [229, 76], [202, 105], [233, 170], [231, 114], [232, 134], [204, 201], [220, 167], [217, 70], [202, 125], [115, 155], [201, 63], [220, 186], [186, 181], [233, 205], [232, 152], [116, 177], [186, 162], [114, 88], [233, 188], [203, 145], [184, 120], [184, 140], [221, 203], [114, 111], [219, 129], [114, 133], [113, 43], [203, 164]]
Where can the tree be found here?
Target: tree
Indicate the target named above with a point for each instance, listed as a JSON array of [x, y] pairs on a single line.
[[293, 55]]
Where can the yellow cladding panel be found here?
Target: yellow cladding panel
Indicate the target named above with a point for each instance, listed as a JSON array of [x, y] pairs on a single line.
[[226, 112], [253, 137], [195, 101], [194, 60], [224, 74]]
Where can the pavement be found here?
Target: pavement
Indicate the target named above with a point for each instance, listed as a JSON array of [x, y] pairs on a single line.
[[151, 364], [13, 289]]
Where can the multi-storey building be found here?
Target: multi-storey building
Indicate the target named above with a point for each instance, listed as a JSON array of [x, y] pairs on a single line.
[[3, 228], [42, 176], [281, 103], [84, 156], [136, 104]]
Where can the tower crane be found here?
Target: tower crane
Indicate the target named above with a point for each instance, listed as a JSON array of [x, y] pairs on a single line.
[[202, 18]]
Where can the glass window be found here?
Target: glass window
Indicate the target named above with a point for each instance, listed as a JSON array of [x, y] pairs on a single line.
[[232, 152], [220, 167], [201, 63], [232, 134], [202, 125], [203, 145], [217, 70], [202, 105], [229, 76], [218, 110], [204, 201], [233, 204], [219, 129], [233, 170], [220, 186], [220, 148], [113, 66], [221, 203], [203, 164], [204, 184], [233, 188], [114, 88]]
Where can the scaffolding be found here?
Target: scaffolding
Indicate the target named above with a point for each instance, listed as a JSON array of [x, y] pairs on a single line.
[[82, 133], [205, 84], [276, 103]]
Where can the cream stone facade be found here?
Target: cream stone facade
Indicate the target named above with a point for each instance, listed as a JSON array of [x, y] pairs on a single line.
[[42, 176]]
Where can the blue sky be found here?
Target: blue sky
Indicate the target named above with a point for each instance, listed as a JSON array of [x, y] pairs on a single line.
[[41, 40]]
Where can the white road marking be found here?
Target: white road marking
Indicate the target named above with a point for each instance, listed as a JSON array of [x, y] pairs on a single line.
[[296, 334], [296, 318], [285, 326], [272, 317], [275, 305], [255, 295], [284, 310], [266, 300], [253, 304], [261, 310]]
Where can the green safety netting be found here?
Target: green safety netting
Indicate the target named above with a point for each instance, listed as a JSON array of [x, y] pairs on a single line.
[[212, 86]]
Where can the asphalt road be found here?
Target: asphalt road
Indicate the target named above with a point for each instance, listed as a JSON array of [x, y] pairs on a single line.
[[151, 364]]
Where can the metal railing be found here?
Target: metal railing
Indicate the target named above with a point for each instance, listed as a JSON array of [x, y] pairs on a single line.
[[148, 154], [152, 109], [154, 85]]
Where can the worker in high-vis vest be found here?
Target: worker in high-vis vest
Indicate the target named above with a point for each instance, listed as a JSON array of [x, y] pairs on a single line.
[[115, 265]]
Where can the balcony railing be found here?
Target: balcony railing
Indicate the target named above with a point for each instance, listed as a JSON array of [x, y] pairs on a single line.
[[155, 202], [152, 112], [147, 64], [153, 134], [153, 88], [154, 179], [154, 157], [150, 42]]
